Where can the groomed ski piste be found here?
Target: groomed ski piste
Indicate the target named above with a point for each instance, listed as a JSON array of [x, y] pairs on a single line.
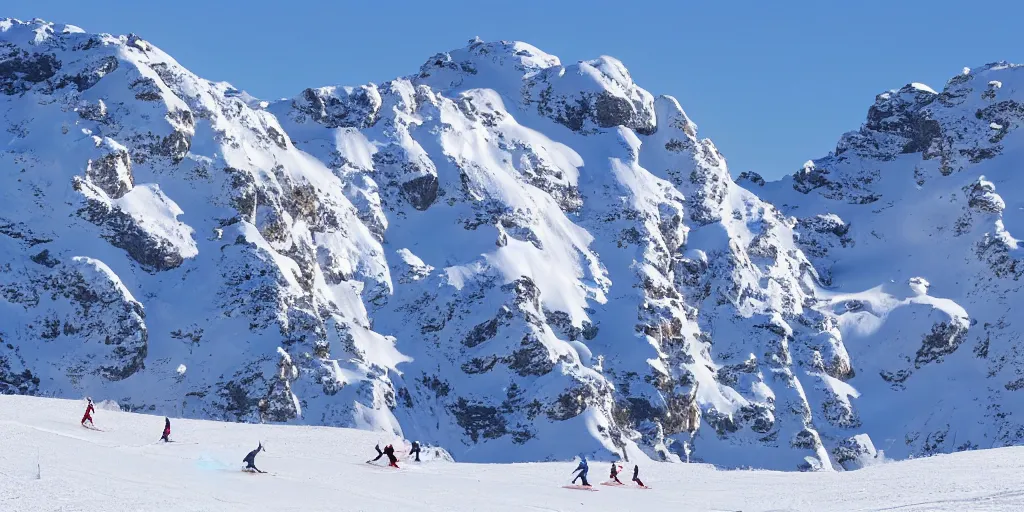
[[49, 462]]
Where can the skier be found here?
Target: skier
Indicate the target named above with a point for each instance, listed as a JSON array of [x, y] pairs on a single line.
[[89, 409], [615, 472], [415, 450], [167, 430], [390, 452], [379, 453], [583, 469], [250, 460], [636, 476]]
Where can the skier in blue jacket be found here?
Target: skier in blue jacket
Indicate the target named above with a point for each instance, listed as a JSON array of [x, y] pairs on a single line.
[[582, 469], [250, 460]]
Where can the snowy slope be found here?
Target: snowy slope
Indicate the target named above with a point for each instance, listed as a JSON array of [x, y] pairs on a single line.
[[49, 462], [515, 258]]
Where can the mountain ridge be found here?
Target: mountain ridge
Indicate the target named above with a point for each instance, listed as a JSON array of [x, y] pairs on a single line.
[[520, 250]]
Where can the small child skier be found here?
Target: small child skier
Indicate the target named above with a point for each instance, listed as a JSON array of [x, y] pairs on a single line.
[[582, 469], [615, 472], [167, 430], [89, 409], [390, 452], [415, 450], [636, 476], [250, 460]]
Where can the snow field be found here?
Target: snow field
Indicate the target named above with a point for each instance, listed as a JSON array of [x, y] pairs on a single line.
[[48, 462]]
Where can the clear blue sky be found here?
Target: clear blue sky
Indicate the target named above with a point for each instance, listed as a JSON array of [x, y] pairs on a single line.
[[773, 83]]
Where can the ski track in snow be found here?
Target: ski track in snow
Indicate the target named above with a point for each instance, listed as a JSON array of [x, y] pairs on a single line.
[[315, 468]]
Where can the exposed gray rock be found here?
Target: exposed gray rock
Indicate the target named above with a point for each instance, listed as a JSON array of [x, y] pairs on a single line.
[[479, 421], [421, 192], [103, 314], [854, 452], [112, 173], [752, 177], [333, 107], [92, 74], [281, 404], [93, 111], [125, 232], [44, 258], [982, 197], [20, 70], [944, 339]]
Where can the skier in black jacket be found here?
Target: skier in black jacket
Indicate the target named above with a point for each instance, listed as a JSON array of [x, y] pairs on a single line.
[[636, 476], [250, 460], [415, 450], [379, 454], [615, 473]]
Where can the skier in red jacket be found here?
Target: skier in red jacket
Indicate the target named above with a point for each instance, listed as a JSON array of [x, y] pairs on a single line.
[[167, 430], [390, 452], [615, 473], [88, 413]]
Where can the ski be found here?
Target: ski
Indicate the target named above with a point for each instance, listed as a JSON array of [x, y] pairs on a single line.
[[370, 462], [613, 484], [579, 487]]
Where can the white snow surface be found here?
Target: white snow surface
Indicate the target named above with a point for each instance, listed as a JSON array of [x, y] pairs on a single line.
[[49, 462]]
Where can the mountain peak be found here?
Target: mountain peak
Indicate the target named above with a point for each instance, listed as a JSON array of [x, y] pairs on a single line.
[[35, 31], [480, 61]]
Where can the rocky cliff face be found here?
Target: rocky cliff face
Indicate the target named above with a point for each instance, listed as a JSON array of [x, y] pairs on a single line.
[[507, 256]]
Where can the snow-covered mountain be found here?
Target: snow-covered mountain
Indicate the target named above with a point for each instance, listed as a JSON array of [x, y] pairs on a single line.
[[513, 258], [910, 223]]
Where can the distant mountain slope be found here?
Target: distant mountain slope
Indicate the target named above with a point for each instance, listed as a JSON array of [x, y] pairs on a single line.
[[911, 222]]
